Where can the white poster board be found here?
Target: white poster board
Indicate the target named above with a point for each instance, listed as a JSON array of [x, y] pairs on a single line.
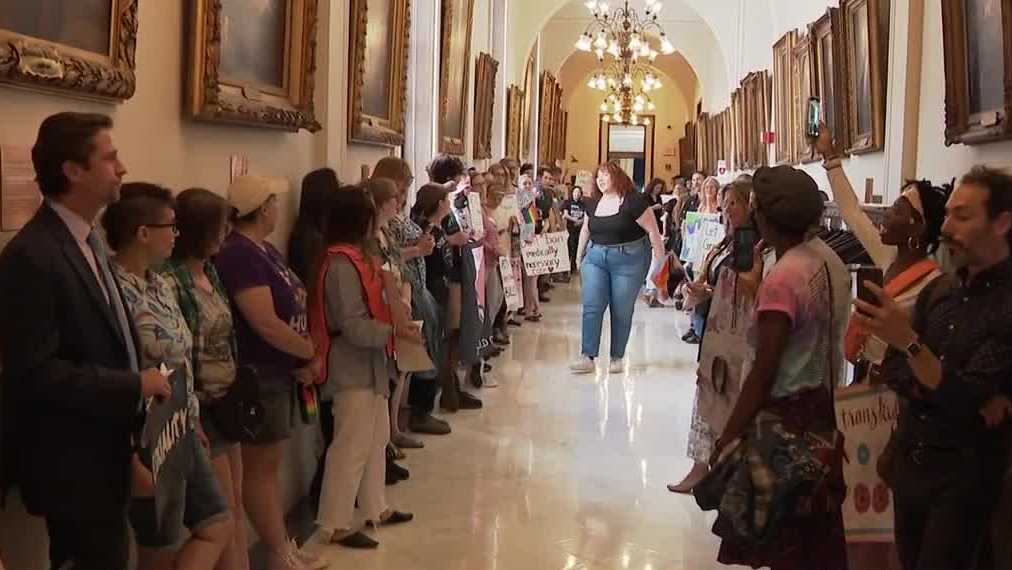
[[866, 416], [514, 296], [469, 218], [546, 253], [700, 232]]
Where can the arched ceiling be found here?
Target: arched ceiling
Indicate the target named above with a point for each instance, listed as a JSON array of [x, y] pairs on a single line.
[[560, 23]]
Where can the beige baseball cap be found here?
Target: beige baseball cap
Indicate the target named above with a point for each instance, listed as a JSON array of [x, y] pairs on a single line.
[[248, 192]]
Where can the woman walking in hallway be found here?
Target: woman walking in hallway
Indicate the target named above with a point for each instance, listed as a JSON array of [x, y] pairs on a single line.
[[619, 233]]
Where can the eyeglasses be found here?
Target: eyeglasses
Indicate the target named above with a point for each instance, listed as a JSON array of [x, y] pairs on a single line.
[[175, 229]]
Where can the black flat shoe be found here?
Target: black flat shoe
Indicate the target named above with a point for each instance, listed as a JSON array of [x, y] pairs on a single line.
[[400, 472], [356, 540], [693, 339], [396, 517], [469, 402], [486, 367]]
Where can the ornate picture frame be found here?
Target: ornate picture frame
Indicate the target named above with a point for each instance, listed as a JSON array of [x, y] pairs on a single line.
[[527, 131], [865, 72], [784, 98], [37, 63], [485, 71], [830, 66], [550, 106], [214, 95], [454, 74], [965, 72], [378, 90], [514, 120], [804, 87]]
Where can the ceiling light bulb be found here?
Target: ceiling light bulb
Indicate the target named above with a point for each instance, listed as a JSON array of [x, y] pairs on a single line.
[[591, 83], [600, 42], [656, 8], [627, 80], [651, 106], [645, 50], [583, 44], [600, 54], [603, 8], [638, 107], [646, 121], [592, 6], [611, 82], [634, 43], [617, 117], [666, 47], [605, 118], [603, 107], [657, 84]]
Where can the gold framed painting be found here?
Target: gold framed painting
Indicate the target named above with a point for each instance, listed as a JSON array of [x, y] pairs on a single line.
[[454, 72], [783, 97], [977, 39], [805, 88], [827, 33], [549, 107], [527, 131], [84, 48], [514, 120], [865, 69], [253, 63], [379, 37], [484, 104]]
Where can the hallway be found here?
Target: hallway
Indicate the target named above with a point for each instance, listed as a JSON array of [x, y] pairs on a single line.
[[558, 472]]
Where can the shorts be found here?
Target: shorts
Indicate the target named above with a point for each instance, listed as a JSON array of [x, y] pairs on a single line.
[[279, 417], [220, 443], [453, 308], [198, 503]]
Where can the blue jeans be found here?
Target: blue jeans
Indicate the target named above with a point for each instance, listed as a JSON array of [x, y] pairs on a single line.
[[612, 276]]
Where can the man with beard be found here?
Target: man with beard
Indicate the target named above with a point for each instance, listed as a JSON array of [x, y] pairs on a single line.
[[953, 366]]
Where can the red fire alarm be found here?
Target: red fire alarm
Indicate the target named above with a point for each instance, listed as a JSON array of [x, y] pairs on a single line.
[[769, 137]]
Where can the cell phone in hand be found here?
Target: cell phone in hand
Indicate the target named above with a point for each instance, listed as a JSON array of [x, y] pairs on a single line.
[[813, 117], [743, 252], [866, 274]]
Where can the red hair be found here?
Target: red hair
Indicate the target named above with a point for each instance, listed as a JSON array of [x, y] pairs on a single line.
[[619, 180]]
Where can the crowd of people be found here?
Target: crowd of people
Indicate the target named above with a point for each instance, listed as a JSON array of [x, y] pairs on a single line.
[[159, 350], [775, 330]]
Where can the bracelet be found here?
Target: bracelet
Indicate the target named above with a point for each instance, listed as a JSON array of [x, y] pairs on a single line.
[[830, 163]]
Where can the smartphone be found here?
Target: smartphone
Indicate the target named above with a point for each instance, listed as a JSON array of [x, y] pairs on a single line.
[[814, 117], [743, 252], [868, 274]]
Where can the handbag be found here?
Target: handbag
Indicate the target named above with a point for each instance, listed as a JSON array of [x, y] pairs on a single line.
[[238, 414]]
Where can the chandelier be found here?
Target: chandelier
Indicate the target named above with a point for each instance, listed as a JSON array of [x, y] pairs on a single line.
[[624, 34]]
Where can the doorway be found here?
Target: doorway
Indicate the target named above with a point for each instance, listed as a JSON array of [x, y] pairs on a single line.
[[631, 146]]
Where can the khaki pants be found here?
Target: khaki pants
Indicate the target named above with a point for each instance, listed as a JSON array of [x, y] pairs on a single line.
[[356, 460]]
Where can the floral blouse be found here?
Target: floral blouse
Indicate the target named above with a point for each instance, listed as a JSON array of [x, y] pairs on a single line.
[[164, 335], [405, 233]]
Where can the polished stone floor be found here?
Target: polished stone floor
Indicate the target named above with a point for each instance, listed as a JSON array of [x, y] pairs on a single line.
[[558, 472]]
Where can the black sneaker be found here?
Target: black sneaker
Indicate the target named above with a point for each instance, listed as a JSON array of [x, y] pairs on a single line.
[[400, 472], [428, 424]]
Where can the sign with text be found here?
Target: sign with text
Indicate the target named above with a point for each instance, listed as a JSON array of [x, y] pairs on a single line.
[[546, 253], [168, 443], [510, 288], [866, 416], [700, 232], [19, 193]]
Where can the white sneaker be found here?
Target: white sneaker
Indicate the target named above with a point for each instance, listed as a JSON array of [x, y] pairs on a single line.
[[308, 559], [617, 366], [286, 559], [582, 365]]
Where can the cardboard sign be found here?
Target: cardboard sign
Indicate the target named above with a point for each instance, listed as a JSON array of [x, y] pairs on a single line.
[[546, 253], [169, 443], [510, 289], [700, 232], [466, 208], [866, 416]]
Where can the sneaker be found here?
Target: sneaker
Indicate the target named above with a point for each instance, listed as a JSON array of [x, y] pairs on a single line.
[[304, 558], [617, 366], [582, 365], [286, 559], [430, 425]]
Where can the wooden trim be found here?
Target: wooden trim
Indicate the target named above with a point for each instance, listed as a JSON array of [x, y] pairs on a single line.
[[783, 96], [486, 69], [871, 141]]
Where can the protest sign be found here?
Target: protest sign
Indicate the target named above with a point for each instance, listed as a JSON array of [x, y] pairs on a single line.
[[700, 232], [546, 253], [866, 416], [510, 289], [168, 443]]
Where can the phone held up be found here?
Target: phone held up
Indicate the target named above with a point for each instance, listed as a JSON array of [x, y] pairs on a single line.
[[743, 252], [866, 274], [813, 117]]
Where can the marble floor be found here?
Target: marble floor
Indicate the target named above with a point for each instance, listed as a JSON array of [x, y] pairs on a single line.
[[558, 472]]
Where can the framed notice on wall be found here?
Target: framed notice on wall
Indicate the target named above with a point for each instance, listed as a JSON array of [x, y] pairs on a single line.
[[19, 193]]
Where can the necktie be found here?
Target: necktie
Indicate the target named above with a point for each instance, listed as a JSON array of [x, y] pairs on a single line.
[[112, 291]]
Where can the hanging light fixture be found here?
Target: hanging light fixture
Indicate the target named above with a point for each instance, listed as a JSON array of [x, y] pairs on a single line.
[[629, 37]]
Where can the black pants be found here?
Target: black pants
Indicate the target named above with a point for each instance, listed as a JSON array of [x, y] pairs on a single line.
[[947, 529], [422, 395], [327, 427], [89, 544], [574, 244]]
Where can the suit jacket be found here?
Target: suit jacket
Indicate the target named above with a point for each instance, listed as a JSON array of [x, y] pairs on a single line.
[[70, 401]]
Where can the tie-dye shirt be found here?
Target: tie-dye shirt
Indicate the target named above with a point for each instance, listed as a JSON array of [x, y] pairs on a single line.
[[811, 286]]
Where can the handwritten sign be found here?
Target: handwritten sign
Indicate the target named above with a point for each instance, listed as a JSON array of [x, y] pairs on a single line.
[[514, 298], [466, 208], [866, 416], [700, 232], [546, 253]]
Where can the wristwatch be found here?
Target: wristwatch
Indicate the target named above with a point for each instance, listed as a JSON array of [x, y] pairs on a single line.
[[914, 349]]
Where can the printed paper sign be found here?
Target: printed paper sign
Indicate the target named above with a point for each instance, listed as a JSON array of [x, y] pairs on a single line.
[[466, 208], [168, 443], [514, 298], [19, 193], [700, 232], [546, 253], [867, 417]]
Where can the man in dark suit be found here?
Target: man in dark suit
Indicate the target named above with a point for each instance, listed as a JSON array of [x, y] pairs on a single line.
[[72, 391]]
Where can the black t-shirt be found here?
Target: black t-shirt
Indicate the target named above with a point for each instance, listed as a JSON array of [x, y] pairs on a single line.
[[576, 209], [620, 227]]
